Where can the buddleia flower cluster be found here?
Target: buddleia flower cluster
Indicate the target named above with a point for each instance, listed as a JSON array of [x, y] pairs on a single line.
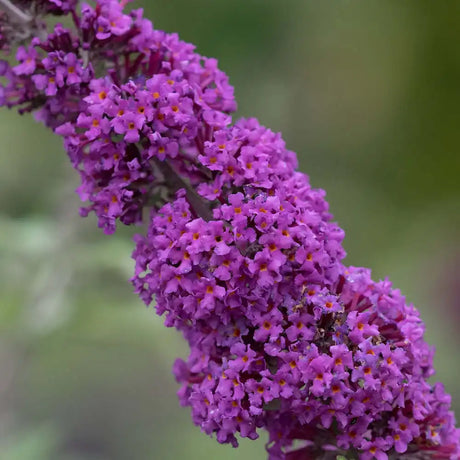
[[241, 254]]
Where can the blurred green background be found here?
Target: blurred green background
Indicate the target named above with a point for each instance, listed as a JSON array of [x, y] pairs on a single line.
[[367, 92]]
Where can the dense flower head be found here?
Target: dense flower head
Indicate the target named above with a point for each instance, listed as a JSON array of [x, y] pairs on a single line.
[[240, 255], [369, 395], [369, 390], [263, 243], [236, 284], [282, 336], [157, 96]]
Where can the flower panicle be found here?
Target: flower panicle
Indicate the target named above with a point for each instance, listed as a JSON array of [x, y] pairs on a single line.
[[241, 253]]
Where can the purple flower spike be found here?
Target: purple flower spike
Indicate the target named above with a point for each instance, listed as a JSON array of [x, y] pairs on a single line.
[[241, 254]]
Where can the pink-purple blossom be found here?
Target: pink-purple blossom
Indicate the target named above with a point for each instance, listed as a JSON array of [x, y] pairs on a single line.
[[241, 254]]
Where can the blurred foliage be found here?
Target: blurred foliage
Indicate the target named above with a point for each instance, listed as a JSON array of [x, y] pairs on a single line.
[[366, 92]]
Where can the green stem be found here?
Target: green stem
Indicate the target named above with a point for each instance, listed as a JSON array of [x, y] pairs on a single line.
[[15, 13], [176, 182]]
